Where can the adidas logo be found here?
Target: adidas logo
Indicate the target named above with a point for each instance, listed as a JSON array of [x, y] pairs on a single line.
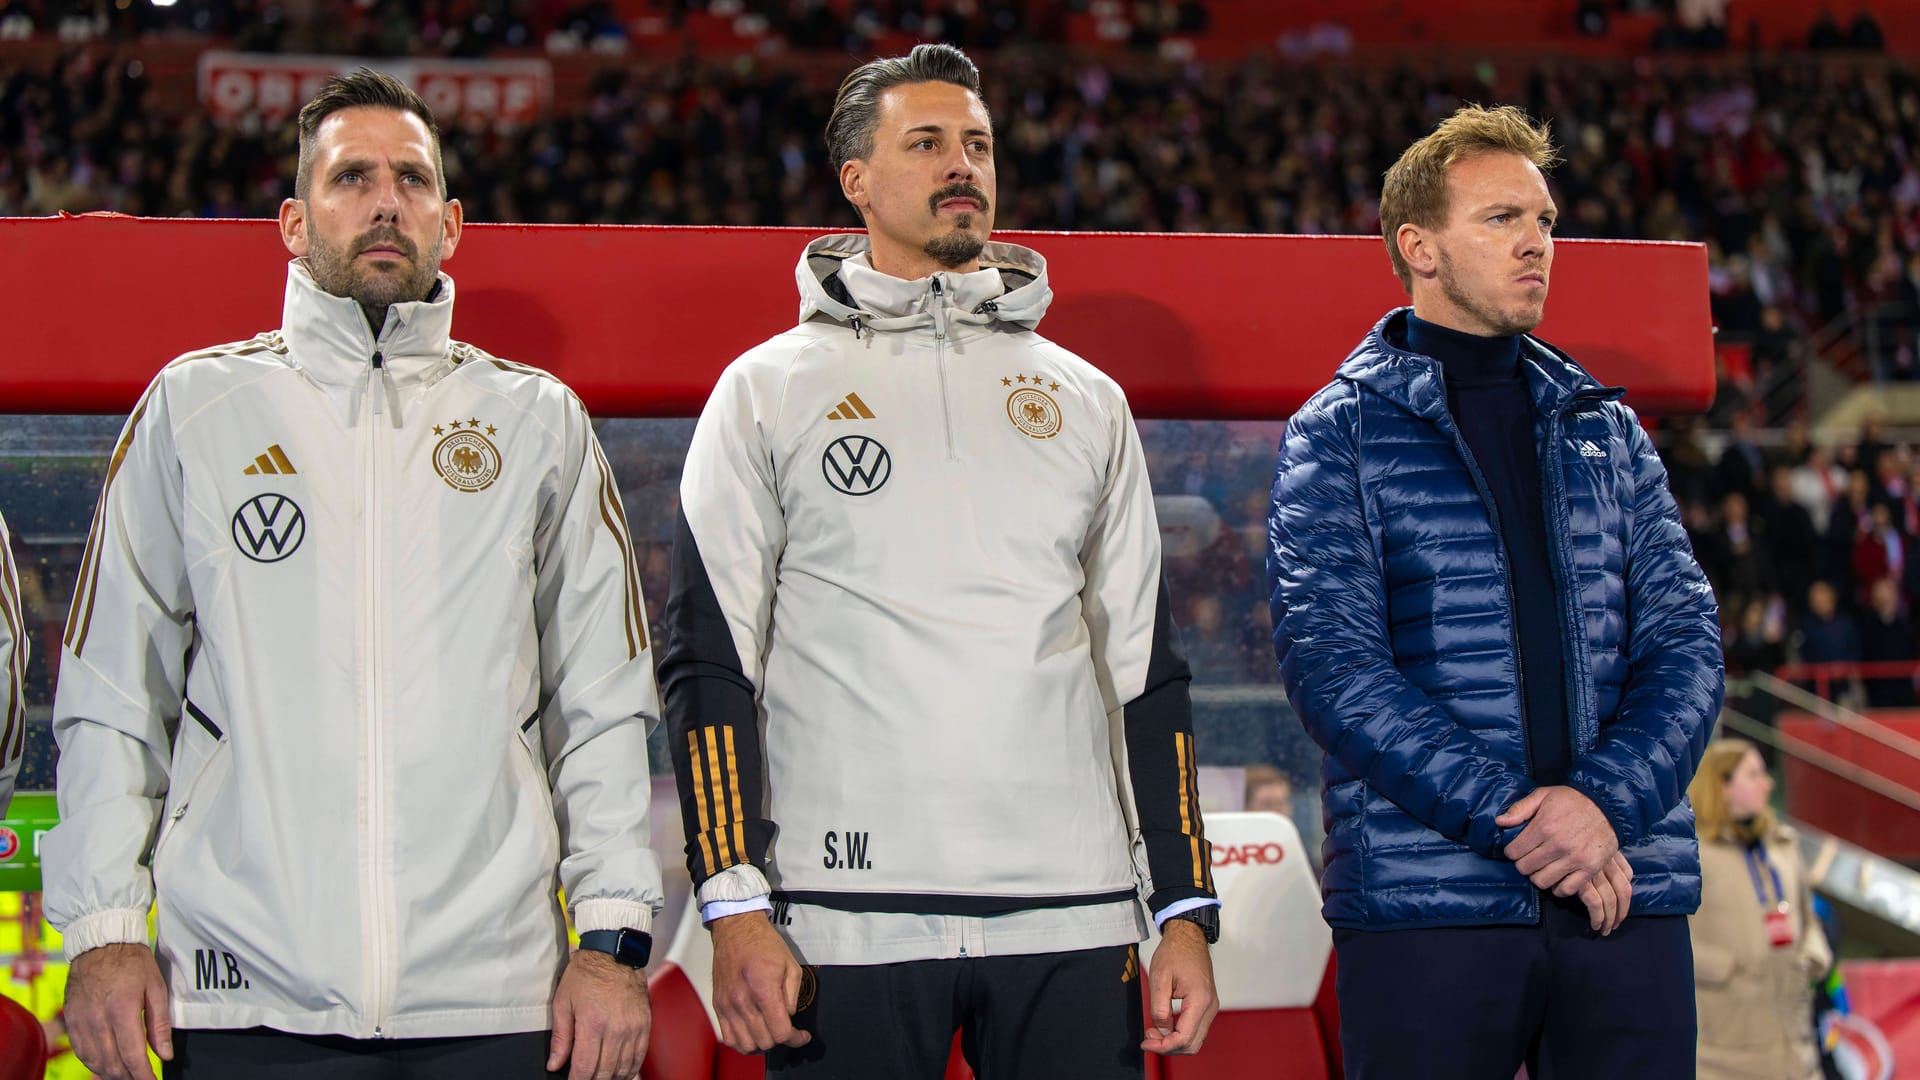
[[1588, 449], [272, 463], [851, 409]]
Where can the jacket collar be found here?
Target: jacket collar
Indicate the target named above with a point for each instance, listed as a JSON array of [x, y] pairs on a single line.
[[1383, 363], [328, 337], [837, 281]]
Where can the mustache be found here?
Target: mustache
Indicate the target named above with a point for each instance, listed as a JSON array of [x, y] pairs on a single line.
[[959, 190], [385, 237]]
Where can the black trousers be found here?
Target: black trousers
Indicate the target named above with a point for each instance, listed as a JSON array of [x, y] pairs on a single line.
[[1475, 1003], [1042, 1017], [250, 1053]]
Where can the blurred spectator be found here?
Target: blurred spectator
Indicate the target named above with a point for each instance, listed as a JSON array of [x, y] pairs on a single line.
[[1759, 640], [1886, 635], [1756, 945], [1865, 33], [1828, 635], [1852, 518], [1817, 483], [1269, 790], [1215, 651], [1872, 444], [1879, 555], [1742, 465], [1791, 540], [1202, 556], [1736, 556], [1825, 33]]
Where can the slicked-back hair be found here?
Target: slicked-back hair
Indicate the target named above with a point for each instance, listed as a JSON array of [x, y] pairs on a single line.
[[856, 108], [364, 88], [1415, 190]]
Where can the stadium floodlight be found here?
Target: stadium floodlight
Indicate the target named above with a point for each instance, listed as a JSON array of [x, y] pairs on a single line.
[[165, 3]]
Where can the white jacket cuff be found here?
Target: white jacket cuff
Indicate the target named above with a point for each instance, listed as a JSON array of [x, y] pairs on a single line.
[[741, 881], [120, 926], [612, 915]]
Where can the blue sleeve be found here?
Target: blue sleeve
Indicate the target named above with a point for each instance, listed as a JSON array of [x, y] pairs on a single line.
[[1330, 634], [1638, 771]]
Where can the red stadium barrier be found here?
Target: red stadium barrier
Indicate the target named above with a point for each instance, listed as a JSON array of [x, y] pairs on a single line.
[[1842, 806], [640, 320]]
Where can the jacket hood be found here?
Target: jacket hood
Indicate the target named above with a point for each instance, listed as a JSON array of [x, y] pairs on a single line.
[[1010, 287], [1383, 363]]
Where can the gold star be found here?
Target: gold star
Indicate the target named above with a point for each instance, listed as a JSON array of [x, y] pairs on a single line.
[[1053, 386], [437, 429], [473, 423], [491, 429], [1036, 380], [1006, 382], [1022, 378], [455, 424]]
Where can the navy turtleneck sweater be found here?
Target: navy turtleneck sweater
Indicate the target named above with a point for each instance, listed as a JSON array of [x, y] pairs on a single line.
[[1491, 405]]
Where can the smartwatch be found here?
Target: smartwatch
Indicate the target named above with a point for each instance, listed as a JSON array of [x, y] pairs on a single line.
[[627, 946], [1206, 918]]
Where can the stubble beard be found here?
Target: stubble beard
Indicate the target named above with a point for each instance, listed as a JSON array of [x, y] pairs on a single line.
[[1499, 323], [340, 272]]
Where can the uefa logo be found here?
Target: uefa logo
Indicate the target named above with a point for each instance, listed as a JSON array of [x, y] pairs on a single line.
[[9, 844]]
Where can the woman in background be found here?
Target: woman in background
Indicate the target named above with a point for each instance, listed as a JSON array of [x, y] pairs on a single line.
[[1757, 947]]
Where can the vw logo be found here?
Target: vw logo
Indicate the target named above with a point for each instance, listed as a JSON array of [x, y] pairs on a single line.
[[268, 528], [856, 465]]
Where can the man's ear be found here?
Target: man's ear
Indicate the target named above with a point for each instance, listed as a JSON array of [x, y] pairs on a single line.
[[451, 221], [293, 226], [853, 184], [1417, 250]]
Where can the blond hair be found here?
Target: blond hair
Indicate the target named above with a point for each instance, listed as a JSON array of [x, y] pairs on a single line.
[[1708, 793], [1415, 189]]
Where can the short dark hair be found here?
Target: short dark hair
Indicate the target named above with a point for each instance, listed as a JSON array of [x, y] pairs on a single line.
[[856, 108], [364, 88]]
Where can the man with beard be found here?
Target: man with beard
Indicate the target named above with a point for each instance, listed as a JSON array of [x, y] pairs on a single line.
[[1487, 614], [356, 673], [928, 709]]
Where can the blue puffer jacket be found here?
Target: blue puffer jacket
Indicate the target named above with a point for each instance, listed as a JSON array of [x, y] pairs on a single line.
[[1394, 628]]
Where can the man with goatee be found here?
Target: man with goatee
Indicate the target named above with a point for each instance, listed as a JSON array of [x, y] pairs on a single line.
[[929, 714]]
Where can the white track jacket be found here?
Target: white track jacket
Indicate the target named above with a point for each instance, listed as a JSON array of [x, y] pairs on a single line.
[[920, 678], [356, 675], [13, 674]]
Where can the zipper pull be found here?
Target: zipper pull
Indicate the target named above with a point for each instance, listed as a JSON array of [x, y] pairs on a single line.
[[376, 385], [939, 309]]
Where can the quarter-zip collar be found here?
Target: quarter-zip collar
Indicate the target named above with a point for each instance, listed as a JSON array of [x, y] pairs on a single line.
[[837, 281], [328, 338]]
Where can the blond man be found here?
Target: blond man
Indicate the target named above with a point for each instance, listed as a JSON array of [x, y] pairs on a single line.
[[1487, 613]]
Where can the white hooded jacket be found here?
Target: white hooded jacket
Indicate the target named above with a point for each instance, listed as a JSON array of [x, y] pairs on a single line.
[[920, 678], [357, 675]]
